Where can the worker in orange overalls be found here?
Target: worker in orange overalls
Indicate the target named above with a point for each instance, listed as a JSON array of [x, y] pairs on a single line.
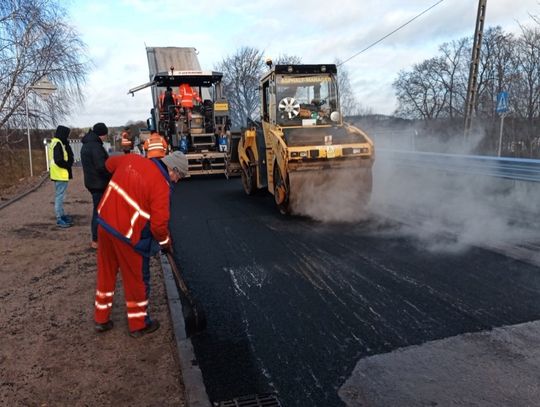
[[126, 142], [133, 217], [186, 95], [155, 146]]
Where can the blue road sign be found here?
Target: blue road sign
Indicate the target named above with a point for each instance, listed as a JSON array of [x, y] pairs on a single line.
[[502, 102]]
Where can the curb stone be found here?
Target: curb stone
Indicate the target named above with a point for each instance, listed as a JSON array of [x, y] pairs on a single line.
[[195, 391]]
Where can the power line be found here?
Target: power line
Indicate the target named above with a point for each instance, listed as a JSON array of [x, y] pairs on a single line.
[[389, 34]]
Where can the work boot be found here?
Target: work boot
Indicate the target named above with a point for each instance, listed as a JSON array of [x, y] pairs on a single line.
[[61, 223], [148, 329], [104, 327], [67, 219]]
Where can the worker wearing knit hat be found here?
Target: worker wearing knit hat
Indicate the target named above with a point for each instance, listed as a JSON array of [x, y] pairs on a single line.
[[100, 129], [177, 163]]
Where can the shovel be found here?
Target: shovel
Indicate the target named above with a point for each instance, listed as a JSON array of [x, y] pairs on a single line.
[[194, 316]]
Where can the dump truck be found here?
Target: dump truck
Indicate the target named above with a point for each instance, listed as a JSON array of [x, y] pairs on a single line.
[[190, 110], [301, 148]]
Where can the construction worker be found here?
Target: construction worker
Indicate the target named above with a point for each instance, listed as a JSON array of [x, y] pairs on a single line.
[[60, 163], [186, 95], [126, 142], [133, 218], [167, 102], [96, 176], [155, 146]]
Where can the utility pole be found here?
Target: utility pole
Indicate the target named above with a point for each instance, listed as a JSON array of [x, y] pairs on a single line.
[[475, 62]]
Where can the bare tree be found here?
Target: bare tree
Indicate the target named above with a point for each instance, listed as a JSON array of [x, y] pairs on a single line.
[[347, 99], [495, 70], [436, 87], [421, 92], [535, 17], [37, 42], [284, 59], [241, 74], [528, 73], [526, 85], [453, 67]]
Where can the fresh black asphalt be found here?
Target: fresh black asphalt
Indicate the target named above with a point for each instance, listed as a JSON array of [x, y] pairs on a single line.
[[293, 304]]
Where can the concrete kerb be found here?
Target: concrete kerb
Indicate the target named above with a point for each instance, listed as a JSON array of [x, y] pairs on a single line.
[[195, 391]]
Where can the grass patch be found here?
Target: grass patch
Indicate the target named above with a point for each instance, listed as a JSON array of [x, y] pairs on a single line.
[[15, 165]]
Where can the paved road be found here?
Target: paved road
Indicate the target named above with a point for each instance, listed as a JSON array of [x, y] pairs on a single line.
[[293, 304]]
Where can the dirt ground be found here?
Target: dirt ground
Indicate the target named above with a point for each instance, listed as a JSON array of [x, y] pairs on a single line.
[[49, 352]]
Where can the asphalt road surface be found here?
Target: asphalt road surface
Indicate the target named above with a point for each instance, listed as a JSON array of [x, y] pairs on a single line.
[[293, 304]]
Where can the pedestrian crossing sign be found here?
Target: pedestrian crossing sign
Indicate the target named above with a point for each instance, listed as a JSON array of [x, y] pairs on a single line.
[[502, 102]]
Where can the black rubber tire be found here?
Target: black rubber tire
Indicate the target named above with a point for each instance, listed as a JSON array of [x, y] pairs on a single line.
[[249, 175], [283, 207]]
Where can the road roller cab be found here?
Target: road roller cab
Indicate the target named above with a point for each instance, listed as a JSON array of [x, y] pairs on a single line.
[[301, 140]]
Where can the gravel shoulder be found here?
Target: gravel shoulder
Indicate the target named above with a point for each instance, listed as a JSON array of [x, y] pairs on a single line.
[[49, 353]]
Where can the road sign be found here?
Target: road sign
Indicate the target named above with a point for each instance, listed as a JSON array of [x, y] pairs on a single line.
[[502, 102], [502, 108]]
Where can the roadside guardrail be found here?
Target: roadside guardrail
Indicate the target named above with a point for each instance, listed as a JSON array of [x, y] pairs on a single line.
[[519, 169]]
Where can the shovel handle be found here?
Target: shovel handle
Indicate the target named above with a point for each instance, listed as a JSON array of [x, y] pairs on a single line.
[[194, 315], [179, 279]]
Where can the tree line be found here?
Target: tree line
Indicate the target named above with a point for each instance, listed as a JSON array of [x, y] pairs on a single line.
[[435, 90]]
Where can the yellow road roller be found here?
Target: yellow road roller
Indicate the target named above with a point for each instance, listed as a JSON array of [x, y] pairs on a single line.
[[301, 150]]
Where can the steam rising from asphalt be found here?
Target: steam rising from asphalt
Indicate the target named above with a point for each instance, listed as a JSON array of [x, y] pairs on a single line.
[[330, 195], [451, 211], [441, 211]]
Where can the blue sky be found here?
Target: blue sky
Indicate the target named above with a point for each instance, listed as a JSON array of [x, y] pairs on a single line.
[[116, 32]]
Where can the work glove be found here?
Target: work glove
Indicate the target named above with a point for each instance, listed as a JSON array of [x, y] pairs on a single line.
[[166, 248]]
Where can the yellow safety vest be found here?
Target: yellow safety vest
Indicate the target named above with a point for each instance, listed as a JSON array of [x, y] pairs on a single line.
[[57, 173]]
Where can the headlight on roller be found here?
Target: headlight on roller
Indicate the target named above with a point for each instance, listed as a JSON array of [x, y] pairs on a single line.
[[299, 154], [355, 150], [360, 150]]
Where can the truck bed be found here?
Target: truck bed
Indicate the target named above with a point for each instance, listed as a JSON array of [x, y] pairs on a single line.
[[160, 59]]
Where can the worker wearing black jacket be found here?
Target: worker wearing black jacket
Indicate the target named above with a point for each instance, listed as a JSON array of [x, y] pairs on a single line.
[[96, 176]]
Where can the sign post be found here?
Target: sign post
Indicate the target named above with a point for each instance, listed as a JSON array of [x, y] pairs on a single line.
[[502, 109]]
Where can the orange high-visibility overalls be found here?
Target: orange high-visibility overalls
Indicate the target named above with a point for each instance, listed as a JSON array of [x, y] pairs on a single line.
[[133, 224]]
